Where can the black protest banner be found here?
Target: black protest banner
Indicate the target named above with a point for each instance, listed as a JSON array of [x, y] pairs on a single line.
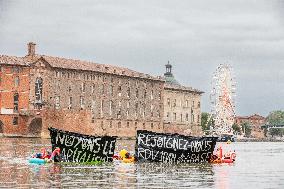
[[173, 148], [75, 147]]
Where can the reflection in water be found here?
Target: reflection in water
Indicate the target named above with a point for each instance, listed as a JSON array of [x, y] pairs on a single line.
[[247, 171], [174, 175]]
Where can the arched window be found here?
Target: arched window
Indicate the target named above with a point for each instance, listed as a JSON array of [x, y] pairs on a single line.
[[38, 91]]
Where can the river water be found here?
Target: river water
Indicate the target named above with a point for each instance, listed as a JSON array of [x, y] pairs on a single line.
[[258, 165]]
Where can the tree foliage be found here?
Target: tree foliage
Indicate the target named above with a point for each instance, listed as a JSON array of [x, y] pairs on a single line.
[[276, 132], [276, 117], [236, 128], [204, 121], [246, 127]]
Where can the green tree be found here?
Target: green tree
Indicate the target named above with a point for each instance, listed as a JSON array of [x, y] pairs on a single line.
[[246, 127], [236, 128], [205, 123], [276, 132], [276, 117]]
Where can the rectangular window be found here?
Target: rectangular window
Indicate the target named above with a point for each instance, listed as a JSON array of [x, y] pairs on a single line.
[[186, 103], [186, 117], [128, 92], [175, 103], [15, 121], [119, 90], [83, 87], [57, 102], [70, 103], [152, 95], [169, 102], [16, 102], [181, 117], [111, 90], [103, 89], [57, 74], [93, 88], [175, 116], [137, 93], [82, 102], [93, 106], [127, 113], [119, 113], [17, 81], [198, 119], [110, 108], [102, 108]]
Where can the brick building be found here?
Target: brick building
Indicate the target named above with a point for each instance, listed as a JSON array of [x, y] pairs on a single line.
[[182, 112], [14, 94], [256, 121], [39, 91]]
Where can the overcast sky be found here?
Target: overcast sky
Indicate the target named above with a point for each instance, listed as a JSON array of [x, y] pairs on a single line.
[[195, 36]]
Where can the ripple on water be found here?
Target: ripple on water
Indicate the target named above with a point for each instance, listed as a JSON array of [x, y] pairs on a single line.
[[258, 164]]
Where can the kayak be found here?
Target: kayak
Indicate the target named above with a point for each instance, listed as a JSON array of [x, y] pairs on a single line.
[[37, 161]]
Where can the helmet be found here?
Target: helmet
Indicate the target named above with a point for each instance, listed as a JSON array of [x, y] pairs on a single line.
[[123, 153]]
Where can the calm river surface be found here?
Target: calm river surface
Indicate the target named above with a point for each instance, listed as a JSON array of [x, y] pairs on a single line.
[[258, 165]]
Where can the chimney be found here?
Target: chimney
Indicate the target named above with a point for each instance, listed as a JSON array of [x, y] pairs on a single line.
[[31, 49]]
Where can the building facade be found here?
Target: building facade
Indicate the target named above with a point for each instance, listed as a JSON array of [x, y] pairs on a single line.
[[182, 112], [77, 96], [39, 91], [14, 94], [255, 121]]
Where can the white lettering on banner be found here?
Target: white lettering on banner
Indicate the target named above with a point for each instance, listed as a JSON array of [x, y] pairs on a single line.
[[61, 139], [98, 145], [75, 148], [173, 143], [173, 149], [111, 146], [160, 142], [105, 151], [83, 157], [140, 139], [69, 140]]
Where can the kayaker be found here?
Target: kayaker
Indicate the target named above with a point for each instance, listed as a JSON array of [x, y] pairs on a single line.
[[125, 156]]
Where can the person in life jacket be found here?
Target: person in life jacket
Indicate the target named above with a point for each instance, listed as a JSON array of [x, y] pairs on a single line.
[[217, 158], [125, 156]]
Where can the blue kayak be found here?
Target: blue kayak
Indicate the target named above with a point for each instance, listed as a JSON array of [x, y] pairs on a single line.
[[37, 161]]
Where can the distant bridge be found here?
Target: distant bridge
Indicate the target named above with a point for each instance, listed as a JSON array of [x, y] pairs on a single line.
[[272, 127]]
